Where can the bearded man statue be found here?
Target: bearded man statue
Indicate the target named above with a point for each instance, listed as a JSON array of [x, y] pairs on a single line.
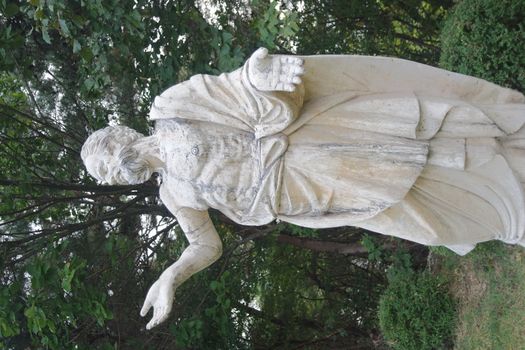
[[389, 145]]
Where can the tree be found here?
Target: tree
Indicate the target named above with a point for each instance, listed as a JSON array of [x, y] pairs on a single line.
[[404, 29], [77, 257]]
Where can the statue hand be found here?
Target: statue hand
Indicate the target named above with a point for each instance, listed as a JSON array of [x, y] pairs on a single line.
[[160, 297], [274, 73]]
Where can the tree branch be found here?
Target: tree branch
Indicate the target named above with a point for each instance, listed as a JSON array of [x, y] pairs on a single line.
[[115, 189], [355, 249]]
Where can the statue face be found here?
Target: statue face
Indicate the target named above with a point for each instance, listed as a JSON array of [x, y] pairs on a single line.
[[111, 155]]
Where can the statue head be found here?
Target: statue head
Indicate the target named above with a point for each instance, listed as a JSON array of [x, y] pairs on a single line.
[[110, 156]]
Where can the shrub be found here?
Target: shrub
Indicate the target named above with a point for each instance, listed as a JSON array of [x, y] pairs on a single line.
[[486, 38], [416, 312]]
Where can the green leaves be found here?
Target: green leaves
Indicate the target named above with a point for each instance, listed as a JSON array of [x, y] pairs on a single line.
[[58, 296], [188, 332], [67, 274], [76, 46], [9, 325], [80, 254], [228, 56], [42, 327], [485, 38], [64, 29], [416, 312], [36, 319], [11, 9], [277, 26], [375, 253]]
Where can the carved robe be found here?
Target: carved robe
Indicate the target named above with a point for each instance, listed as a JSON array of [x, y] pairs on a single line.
[[386, 144]]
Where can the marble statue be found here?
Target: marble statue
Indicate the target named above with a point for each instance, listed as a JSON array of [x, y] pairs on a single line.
[[390, 145]]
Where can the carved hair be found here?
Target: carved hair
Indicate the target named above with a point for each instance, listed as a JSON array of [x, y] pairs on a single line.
[[109, 141], [116, 143]]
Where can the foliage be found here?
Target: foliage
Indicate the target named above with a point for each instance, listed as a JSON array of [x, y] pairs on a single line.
[[407, 29], [442, 251], [77, 258], [416, 311], [396, 259], [485, 38], [54, 296], [489, 286], [264, 295]]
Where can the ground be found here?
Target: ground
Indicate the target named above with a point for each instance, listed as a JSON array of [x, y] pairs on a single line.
[[489, 286]]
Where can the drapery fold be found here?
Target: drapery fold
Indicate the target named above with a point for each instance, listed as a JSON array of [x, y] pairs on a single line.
[[363, 137]]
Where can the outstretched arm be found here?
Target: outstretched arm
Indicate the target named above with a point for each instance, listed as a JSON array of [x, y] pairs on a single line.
[[204, 249], [264, 96]]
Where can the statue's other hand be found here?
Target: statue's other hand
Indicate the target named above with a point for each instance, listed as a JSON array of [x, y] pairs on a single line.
[[160, 297], [274, 73]]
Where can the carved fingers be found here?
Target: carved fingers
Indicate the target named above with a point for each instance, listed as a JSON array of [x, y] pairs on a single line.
[[291, 69], [160, 298], [160, 314], [274, 73]]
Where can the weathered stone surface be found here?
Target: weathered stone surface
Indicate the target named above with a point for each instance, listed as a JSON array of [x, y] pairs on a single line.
[[390, 145]]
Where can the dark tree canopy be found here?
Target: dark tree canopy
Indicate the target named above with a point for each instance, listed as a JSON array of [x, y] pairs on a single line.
[[77, 257]]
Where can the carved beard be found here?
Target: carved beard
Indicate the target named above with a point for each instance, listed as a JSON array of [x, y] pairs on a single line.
[[133, 169]]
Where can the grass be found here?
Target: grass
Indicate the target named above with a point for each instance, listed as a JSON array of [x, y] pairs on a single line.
[[489, 286]]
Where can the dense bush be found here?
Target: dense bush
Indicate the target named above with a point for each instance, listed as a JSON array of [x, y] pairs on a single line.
[[416, 312], [485, 38]]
